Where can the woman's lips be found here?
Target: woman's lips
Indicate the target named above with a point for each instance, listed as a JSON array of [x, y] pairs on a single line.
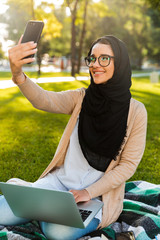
[[97, 73]]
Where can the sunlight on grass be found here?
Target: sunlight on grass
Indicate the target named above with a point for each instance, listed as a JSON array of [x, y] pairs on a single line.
[[149, 94], [29, 137]]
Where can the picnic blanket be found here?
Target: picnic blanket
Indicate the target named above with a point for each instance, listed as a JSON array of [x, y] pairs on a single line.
[[27, 231], [141, 214]]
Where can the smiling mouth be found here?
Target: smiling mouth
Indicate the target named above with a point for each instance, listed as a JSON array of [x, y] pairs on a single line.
[[98, 73]]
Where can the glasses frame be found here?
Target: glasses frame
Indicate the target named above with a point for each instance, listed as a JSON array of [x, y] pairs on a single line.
[[103, 55]]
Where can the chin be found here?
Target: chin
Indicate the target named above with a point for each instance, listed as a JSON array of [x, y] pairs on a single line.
[[96, 81]]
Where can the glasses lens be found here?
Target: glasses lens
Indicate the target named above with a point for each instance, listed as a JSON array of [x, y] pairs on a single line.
[[90, 61], [104, 60]]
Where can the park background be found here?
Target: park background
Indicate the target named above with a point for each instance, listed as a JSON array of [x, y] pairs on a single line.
[[29, 137]]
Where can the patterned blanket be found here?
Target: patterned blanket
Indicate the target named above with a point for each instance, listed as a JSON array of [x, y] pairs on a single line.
[[27, 231], [141, 215]]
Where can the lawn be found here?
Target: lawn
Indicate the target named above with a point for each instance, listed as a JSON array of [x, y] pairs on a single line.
[[8, 75], [29, 137]]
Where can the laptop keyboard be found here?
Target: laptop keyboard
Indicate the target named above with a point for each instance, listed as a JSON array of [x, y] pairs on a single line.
[[84, 214]]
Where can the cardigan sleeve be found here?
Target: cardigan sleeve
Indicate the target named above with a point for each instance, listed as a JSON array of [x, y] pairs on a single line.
[[50, 101], [129, 159]]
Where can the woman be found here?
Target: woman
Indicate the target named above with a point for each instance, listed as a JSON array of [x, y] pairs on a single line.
[[106, 132]]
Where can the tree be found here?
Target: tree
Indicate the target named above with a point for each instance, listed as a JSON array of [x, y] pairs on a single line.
[[72, 5], [1, 52], [20, 11], [60, 46], [153, 45], [16, 16], [155, 4], [82, 35], [51, 30], [79, 27], [133, 27], [43, 48]]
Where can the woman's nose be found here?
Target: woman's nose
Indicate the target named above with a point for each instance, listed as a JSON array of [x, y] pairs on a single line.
[[96, 63]]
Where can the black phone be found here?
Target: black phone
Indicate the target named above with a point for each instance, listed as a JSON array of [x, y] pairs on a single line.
[[32, 32]]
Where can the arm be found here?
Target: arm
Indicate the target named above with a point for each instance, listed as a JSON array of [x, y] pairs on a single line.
[[50, 101], [62, 102], [129, 159]]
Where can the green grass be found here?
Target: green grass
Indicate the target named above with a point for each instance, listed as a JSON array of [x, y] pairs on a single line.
[[5, 75], [149, 94], [8, 76], [29, 137]]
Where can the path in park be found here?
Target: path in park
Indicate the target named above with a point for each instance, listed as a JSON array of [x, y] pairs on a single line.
[[8, 83]]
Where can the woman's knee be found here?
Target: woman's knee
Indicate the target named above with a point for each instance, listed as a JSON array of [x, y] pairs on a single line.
[[56, 231], [61, 232], [7, 216]]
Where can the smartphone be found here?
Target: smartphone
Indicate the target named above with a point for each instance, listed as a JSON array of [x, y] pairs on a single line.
[[32, 32]]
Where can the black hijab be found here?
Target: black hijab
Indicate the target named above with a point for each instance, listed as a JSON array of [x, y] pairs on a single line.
[[103, 117]]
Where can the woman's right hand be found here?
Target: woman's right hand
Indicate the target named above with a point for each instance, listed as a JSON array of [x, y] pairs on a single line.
[[17, 59]]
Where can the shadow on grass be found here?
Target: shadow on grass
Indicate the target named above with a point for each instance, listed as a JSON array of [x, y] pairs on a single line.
[[29, 137], [150, 100], [5, 101], [28, 142]]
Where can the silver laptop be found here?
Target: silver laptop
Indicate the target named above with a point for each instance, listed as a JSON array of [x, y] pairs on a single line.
[[49, 205]]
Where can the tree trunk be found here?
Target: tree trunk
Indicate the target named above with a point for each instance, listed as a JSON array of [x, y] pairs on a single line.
[[82, 36], [39, 60], [73, 47], [73, 34], [32, 10]]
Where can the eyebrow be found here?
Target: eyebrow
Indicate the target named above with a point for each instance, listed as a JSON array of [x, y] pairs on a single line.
[[92, 55]]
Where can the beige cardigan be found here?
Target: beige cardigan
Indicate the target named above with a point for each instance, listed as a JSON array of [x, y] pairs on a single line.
[[111, 185]]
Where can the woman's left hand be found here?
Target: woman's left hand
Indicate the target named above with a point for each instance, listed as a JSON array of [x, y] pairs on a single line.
[[81, 195]]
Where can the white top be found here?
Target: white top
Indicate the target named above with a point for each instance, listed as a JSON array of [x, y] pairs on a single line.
[[76, 173]]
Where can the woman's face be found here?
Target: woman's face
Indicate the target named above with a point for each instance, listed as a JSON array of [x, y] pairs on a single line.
[[101, 74]]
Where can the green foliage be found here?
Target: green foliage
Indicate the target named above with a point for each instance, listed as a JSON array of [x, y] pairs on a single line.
[[53, 27], [136, 22], [155, 4], [18, 13], [1, 52], [29, 137], [5, 75], [153, 44], [60, 46]]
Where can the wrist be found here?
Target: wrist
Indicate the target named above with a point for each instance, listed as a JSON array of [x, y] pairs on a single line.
[[87, 193], [19, 79]]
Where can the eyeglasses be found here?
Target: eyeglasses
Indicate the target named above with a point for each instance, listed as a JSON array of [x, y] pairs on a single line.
[[104, 60]]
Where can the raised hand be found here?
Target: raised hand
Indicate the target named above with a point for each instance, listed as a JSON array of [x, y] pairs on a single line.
[[17, 59]]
